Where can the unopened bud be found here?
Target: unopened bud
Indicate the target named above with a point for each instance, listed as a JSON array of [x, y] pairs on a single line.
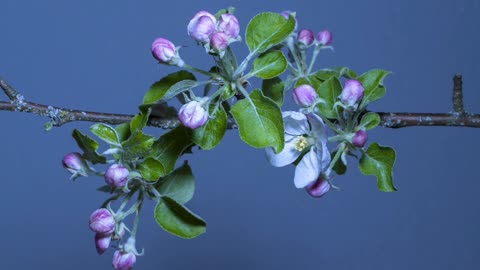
[[116, 175], [219, 42], [304, 95], [318, 188], [75, 164], [305, 37], [228, 24], [352, 93], [201, 26], [164, 51], [123, 260], [102, 221], [193, 115], [324, 38], [102, 242], [360, 138]]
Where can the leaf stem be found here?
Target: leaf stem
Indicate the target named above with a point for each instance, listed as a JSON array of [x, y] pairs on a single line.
[[201, 71]]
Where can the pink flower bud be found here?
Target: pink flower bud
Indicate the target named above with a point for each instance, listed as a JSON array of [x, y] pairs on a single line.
[[360, 138], [75, 164], [304, 95], [116, 175], [102, 221], [229, 25], [163, 50], [352, 93], [123, 260], [219, 41], [201, 26], [305, 37], [324, 38], [102, 242], [193, 115], [318, 188]]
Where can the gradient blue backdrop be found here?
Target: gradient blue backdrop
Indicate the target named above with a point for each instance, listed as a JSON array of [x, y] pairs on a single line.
[[94, 55]]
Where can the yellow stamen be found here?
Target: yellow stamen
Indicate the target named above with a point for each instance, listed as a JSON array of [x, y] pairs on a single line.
[[301, 144]]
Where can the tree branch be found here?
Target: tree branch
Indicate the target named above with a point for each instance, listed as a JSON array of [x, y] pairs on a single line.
[[59, 116]]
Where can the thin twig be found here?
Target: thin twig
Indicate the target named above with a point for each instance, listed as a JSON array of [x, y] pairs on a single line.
[[59, 116], [457, 98], [9, 91]]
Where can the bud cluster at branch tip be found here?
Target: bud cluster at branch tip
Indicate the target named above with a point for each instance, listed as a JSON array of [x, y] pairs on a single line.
[[214, 35]]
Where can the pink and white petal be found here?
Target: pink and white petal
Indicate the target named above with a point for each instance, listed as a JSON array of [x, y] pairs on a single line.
[[295, 123], [308, 169], [288, 155], [318, 130]]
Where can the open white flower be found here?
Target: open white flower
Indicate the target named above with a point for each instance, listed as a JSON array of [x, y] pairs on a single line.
[[305, 136]]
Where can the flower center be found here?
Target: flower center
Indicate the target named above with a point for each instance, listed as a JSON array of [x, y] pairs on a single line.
[[301, 144]]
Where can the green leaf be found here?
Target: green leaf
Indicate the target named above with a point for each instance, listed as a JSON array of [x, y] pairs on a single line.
[[123, 131], [274, 89], [345, 72], [310, 80], [89, 147], [372, 82], [179, 185], [178, 88], [229, 91], [178, 220], [379, 161], [151, 169], [211, 134], [139, 121], [339, 167], [269, 65], [106, 133], [158, 89], [139, 145], [329, 91], [373, 95], [266, 30], [169, 147], [325, 74], [259, 121], [369, 120]]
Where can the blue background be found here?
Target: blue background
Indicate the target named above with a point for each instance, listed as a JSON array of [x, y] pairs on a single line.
[[94, 55]]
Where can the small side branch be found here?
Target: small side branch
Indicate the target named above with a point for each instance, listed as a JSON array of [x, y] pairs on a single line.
[[401, 119], [9, 91], [457, 98], [59, 116]]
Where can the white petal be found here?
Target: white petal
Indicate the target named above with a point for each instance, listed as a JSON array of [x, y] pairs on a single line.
[[317, 127], [307, 170], [322, 151], [295, 123], [288, 155]]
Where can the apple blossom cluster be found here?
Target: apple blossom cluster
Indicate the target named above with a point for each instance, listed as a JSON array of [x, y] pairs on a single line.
[[324, 121]]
